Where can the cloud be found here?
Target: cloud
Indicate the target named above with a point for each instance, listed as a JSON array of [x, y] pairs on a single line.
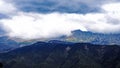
[[47, 6], [66, 6], [6, 7], [31, 25]]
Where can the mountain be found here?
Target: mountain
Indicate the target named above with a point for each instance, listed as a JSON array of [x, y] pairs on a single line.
[[59, 55], [94, 38], [7, 44]]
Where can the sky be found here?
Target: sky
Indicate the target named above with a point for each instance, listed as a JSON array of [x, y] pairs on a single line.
[[38, 19]]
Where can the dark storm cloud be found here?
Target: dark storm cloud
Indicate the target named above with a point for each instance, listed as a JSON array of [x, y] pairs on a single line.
[[46, 6], [69, 6]]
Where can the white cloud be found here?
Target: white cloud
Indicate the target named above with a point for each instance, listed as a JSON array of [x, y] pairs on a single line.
[[112, 10], [35, 25], [71, 4], [29, 25], [6, 7]]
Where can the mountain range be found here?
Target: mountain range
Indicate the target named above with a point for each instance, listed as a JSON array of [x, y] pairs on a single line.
[[79, 50], [7, 44], [59, 55], [94, 38]]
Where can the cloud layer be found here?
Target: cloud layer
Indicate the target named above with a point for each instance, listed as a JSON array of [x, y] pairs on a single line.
[[69, 6], [31, 25], [6, 7]]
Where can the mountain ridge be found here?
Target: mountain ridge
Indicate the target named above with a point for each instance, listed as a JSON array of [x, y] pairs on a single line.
[[78, 36], [59, 55]]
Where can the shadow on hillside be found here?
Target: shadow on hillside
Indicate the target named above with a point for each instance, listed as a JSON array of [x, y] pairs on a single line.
[[1, 65]]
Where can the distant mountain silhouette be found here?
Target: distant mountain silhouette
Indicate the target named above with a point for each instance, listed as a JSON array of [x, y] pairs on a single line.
[[59, 55], [94, 38], [7, 44]]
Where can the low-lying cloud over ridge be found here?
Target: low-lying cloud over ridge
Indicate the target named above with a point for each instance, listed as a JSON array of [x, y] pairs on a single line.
[[33, 25]]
